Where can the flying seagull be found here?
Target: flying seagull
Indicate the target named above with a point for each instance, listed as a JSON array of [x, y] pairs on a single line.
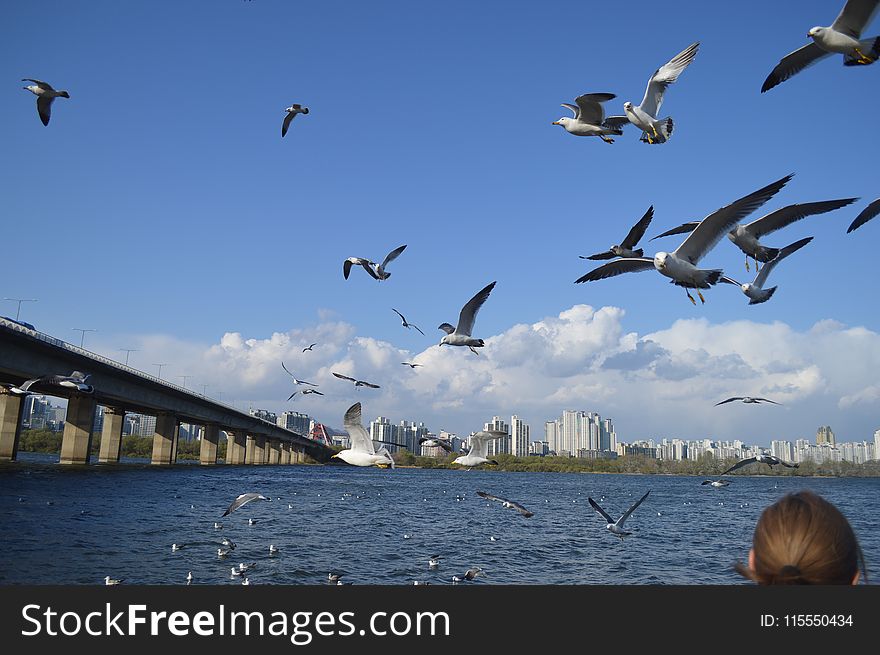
[[755, 290], [435, 442], [479, 449], [507, 503], [405, 323], [770, 460], [749, 400], [390, 257], [357, 383], [681, 264], [243, 499], [45, 96], [616, 527], [362, 452], [589, 117], [626, 247], [460, 335], [843, 36], [76, 381], [366, 264], [304, 392], [295, 380], [292, 111], [310, 347], [746, 237], [717, 484], [410, 364], [867, 214], [656, 130]]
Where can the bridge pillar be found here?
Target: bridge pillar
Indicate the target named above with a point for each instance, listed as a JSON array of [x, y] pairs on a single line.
[[175, 443], [10, 425], [77, 439], [164, 440], [260, 451], [275, 451], [208, 450], [111, 435], [285, 453], [236, 446], [297, 455]]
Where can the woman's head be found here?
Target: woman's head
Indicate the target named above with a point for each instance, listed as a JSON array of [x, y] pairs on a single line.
[[803, 539]]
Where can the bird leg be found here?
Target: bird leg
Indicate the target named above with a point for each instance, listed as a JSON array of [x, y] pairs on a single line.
[[863, 58], [654, 130], [606, 139], [690, 297], [747, 262], [702, 300]]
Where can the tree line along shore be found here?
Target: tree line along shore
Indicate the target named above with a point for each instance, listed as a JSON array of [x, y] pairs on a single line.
[[46, 441]]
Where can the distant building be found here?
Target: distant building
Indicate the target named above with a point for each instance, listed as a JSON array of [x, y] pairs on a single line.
[[519, 437], [540, 448], [824, 435], [295, 421], [264, 414], [501, 445]]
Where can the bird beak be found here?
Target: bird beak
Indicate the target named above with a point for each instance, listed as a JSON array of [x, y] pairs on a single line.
[[336, 455], [555, 123]]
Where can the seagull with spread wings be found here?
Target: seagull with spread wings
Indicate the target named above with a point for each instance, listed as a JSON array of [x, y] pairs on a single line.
[[309, 347], [410, 364], [627, 246], [589, 117], [656, 130], [76, 381], [843, 36], [292, 111], [749, 400], [407, 324], [460, 335], [357, 383], [479, 449], [45, 97], [304, 392], [769, 460], [616, 527], [681, 264], [435, 442], [507, 503], [362, 451], [243, 499], [755, 290], [866, 215]]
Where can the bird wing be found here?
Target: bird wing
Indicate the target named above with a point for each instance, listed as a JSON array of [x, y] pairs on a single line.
[[600, 510], [369, 269], [794, 63], [788, 215], [767, 268], [243, 499], [360, 440], [715, 225], [664, 76], [469, 312], [445, 445], [617, 122], [402, 318], [729, 280], [368, 384], [310, 347], [681, 229], [638, 230], [288, 372], [346, 269], [446, 327], [590, 106], [626, 514], [43, 85], [791, 466], [867, 214], [767, 400], [29, 383], [391, 256], [344, 377], [320, 393], [729, 400], [740, 464], [480, 442], [600, 255], [292, 395], [417, 328], [854, 16], [617, 267], [483, 494], [574, 109], [522, 510], [286, 123], [44, 108]]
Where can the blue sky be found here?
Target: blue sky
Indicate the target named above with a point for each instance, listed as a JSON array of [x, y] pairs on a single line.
[[162, 208]]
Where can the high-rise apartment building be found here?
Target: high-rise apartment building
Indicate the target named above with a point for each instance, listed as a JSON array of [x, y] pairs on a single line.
[[519, 437], [825, 435], [501, 445]]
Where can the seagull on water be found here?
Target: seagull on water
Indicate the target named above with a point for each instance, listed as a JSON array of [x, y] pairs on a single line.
[[616, 527], [769, 460], [716, 483], [273, 549], [656, 130], [626, 247], [357, 383], [234, 572], [189, 577], [755, 290], [221, 553], [243, 499], [460, 335], [507, 503], [407, 324], [589, 117], [45, 96], [245, 581], [470, 574], [681, 264], [434, 561], [866, 215], [843, 36], [748, 400], [292, 111], [362, 452], [479, 449], [111, 581], [228, 543], [176, 547]]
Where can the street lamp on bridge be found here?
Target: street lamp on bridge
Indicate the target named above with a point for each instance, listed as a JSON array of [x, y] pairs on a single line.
[[83, 337], [160, 369], [127, 352], [19, 301]]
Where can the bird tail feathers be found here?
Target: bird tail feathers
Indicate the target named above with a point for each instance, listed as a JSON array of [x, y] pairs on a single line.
[[639, 253]]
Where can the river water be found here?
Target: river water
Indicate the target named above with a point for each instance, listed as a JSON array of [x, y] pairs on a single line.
[[76, 525]]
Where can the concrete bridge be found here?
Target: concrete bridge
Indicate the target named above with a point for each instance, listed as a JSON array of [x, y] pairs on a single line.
[[26, 354]]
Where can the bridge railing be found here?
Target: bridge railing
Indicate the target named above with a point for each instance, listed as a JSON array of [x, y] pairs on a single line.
[[58, 343]]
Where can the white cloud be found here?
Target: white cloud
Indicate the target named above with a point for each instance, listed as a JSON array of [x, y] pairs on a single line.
[[663, 384]]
